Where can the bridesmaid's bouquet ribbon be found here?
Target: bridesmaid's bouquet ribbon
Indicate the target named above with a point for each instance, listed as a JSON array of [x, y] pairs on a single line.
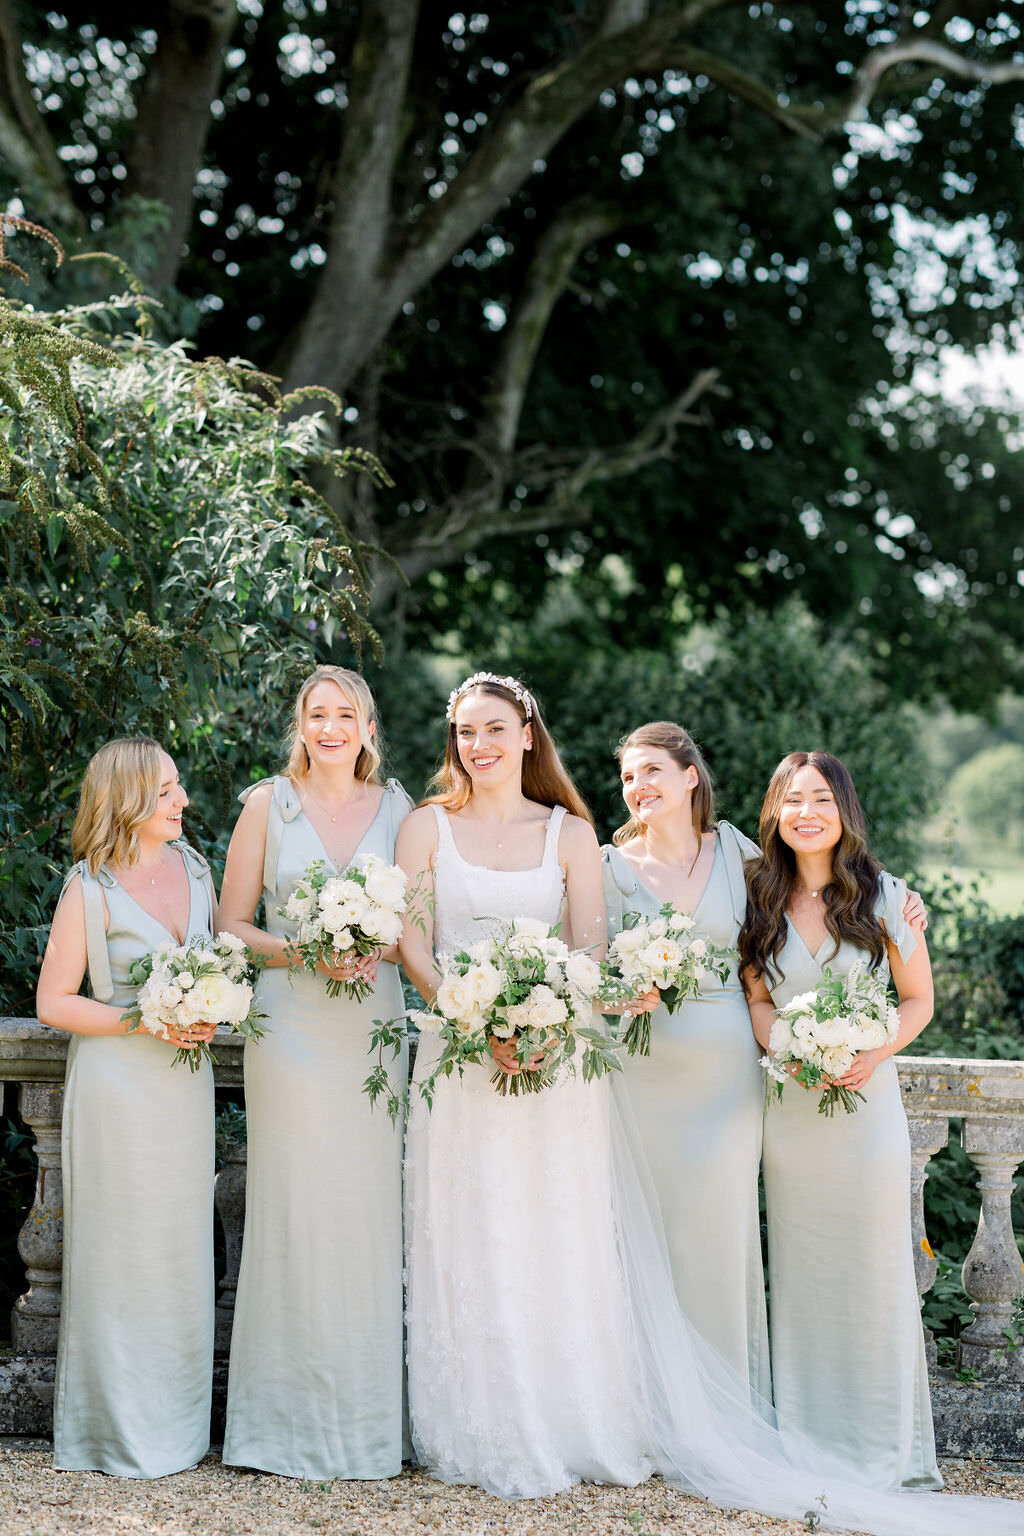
[[346, 917], [660, 952], [822, 1031], [525, 986], [206, 981]]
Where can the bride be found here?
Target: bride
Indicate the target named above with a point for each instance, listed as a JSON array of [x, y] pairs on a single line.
[[545, 1342]]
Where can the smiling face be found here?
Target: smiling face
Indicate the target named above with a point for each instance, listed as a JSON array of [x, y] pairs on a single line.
[[655, 786], [490, 737], [164, 825], [809, 819], [330, 726]]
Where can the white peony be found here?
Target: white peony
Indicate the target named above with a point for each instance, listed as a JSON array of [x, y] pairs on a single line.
[[583, 973], [657, 928], [385, 883], [451, 997], [661, 958], [698, 947], [216, 1000], [781, 1039], [426, 1021], [231, 941], [299, 908], [680, 922], [530, 927], [542, 1009], [483, 982]]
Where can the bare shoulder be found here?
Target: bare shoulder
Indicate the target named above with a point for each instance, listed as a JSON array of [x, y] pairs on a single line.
[[419, 829], [577, 836], [255, 811]]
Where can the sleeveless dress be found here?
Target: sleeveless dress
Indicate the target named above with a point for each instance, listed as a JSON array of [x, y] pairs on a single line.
[[698, 1099], [315, 1377], [518, 1367], [135, 1353], [848, 1354]]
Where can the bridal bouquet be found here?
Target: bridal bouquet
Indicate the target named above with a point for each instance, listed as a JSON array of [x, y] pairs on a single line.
[[823, 1031], [526, 986], [342, 917], [206, 981], [655, 952]]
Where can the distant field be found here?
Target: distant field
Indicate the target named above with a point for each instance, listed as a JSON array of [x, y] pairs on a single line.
[[1002, 884]]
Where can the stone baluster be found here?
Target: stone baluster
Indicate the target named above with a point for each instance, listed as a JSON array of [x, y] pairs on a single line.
[[35, 1317], [993, 1275], [929, 1133], [229, 1196]]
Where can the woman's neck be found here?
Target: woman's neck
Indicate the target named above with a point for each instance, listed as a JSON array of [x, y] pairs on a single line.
[[813, 871], [500, 802], [674, 841], [153, 853], [336, 784]]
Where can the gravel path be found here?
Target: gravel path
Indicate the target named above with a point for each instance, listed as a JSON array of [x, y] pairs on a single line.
[[213, 1500]]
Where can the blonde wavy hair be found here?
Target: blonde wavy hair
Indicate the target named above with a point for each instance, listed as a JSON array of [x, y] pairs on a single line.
[[120, 791], [357, 691]]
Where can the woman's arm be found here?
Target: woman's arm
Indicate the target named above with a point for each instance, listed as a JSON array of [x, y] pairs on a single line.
[[762, 1009], [586, 924], [414, 853], [913, 980], [63, 969], [243, 880]]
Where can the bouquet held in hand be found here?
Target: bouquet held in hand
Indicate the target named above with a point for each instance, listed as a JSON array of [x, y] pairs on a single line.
[[343, 918], [526, 986], [206, 981], [823, 1031], [656, 952]]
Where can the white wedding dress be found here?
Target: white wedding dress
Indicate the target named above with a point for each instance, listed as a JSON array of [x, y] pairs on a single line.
[[545, 1342]]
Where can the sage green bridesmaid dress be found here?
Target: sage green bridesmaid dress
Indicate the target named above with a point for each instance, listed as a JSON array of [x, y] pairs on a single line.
[[315, 1385], [135, 1353], [698, 1100], [848, 1358]]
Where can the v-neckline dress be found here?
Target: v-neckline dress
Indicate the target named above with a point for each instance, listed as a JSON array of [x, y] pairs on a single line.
[[848, 1358], [135, 1355], [697, 1099]]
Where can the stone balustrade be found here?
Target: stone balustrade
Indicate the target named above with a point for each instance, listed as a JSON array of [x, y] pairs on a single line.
[[979, 1405]]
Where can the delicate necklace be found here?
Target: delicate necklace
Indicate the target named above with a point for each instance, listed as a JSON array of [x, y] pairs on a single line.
[[334, 819]]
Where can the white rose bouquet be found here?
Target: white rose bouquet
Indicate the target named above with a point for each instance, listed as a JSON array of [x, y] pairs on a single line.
[[657, 952], [343, 917], [526, 986], [823, 1030], [206, 981]]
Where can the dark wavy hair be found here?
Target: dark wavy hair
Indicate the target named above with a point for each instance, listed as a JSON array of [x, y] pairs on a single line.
[[850, 894], [546, 780]]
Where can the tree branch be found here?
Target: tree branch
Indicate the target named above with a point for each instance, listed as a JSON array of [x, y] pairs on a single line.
[[25, 143], [869, 80], [174, 117]]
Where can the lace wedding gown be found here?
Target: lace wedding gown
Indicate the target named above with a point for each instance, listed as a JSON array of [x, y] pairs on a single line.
[[545, 1342]]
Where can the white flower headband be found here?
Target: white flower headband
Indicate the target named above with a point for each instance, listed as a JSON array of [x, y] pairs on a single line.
[[513, 685]]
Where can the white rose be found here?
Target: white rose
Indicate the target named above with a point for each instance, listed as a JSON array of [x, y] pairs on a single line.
[[781, 1039], [216, 1000], [657, 928], [342, 941], [204, 956], [388, 927], [184, 980], [504, 1028], [451, 997], [231, 941], [426, 1020], [583, 973], [299, 907], [698, 948], [680, 922], [803, 1028], [831, 1032], [530, 927], [484, 982], [629, 942], [835, 1060], [542, 1009]]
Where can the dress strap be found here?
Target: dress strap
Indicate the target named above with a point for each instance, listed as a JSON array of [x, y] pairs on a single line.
[[101, 983], [554, 826], [734, 854], [445, 836], [199, 870], [285, 805]]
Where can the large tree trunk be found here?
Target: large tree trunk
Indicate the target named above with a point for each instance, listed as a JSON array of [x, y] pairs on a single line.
[[25, 145], [174, 118]]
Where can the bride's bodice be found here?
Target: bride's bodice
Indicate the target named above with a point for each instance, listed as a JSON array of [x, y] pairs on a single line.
[[470, 898]]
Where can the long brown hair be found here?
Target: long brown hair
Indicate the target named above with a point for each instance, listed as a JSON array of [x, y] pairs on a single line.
[[850, 894], [685, 753], [545, 778], [357, 691], [120, 791]]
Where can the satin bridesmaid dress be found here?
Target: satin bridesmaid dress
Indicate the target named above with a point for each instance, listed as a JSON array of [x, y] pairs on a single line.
[[848, 1358], [315, 1384], [698, 1101], [135, 1354]]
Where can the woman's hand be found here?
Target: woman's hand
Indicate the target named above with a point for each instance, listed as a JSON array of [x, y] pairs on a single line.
[[191, 1035], [915, 911], [861, 1067], [507, 1057], [352, 967]]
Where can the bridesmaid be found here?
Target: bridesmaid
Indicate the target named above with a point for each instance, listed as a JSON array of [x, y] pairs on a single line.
[[848, 1358], [135, 1355], [698, 1096], [315, 1380]]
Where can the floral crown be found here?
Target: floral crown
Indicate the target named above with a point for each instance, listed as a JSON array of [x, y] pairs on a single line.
[[513, 685]]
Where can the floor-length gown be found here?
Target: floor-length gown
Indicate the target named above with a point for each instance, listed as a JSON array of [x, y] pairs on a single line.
[[135, 1355], [546, 1345], [847, 1345], [698, 1099], [315, 1380]]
